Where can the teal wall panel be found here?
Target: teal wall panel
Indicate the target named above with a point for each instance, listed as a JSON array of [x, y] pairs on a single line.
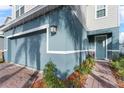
[[112, 39], [30, 49]]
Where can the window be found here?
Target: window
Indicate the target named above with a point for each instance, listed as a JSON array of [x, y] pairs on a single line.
[[22, 10], [19, 10], [100, 11], [17, 13]]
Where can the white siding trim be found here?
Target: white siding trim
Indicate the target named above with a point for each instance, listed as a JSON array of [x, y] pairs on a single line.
[[114, 50], [69, 52], [5, 50], [47, 40]]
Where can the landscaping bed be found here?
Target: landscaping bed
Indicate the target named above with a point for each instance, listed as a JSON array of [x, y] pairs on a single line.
[[118, 79], [75, 77], [76, 80], [117, 67]]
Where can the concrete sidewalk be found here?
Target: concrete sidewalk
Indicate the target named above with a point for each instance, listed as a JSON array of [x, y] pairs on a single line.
[[101, 77]]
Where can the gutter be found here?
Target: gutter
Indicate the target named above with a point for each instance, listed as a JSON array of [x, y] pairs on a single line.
[[101, 31], [31, 14]]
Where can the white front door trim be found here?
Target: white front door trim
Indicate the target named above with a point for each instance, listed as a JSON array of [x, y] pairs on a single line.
[[105, 44]]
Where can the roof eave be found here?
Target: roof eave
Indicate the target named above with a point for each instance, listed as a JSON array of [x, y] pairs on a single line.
[[33, 13]]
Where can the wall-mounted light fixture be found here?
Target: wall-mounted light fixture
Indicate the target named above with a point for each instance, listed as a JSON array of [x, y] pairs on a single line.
[[53, 28]]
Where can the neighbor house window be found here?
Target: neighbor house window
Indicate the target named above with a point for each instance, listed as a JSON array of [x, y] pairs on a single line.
[[100, 11], [19, 10]]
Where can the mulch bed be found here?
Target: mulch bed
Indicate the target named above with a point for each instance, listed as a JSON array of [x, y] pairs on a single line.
[[73, 77], [118, 78], [39, 84], [79, 79]]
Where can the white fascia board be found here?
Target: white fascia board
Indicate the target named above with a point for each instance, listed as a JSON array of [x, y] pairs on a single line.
[[28, 31], [36, 11]]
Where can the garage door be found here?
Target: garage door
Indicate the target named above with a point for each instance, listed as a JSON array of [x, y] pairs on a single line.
[[28, 49]]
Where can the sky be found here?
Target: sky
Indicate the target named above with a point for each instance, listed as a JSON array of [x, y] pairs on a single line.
[[121, 37], [5, 11], [121, 18]]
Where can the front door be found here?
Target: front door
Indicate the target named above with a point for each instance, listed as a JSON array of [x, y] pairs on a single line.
[[101, 47]]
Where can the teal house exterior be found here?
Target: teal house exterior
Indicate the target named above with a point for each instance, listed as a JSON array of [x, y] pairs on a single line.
[[62, 34]]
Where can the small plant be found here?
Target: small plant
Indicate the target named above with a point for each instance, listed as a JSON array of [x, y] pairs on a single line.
[[1, 57], [86, 70], [115, 56], [115, 65], [76, 80], [118, 65], [50, 77], [83, 69], [86, 66], [121, 72]]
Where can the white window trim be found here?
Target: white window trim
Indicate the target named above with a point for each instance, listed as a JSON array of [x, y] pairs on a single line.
[[106, 8], [20, 6], [20, 10]]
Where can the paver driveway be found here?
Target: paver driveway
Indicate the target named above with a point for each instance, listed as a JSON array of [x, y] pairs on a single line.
[[13, 76], [101, 77]]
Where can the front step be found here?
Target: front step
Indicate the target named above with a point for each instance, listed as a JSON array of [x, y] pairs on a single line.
[[102, 60]]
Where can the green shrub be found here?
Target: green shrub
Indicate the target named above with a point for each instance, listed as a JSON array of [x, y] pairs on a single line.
[[115, 56], [89, 62], [86, 70], [115, 65], [86, 66], [50, 77], [118, 65], [121, 72], [122, 62]]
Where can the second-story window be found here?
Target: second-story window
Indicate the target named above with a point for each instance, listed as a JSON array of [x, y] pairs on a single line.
[[19, 10], [100, 11]]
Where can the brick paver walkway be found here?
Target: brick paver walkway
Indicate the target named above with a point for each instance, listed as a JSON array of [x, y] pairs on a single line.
[[101, 77], [13, 76]]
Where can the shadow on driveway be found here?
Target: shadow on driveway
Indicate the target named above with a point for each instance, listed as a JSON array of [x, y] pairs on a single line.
[[13, 76]]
